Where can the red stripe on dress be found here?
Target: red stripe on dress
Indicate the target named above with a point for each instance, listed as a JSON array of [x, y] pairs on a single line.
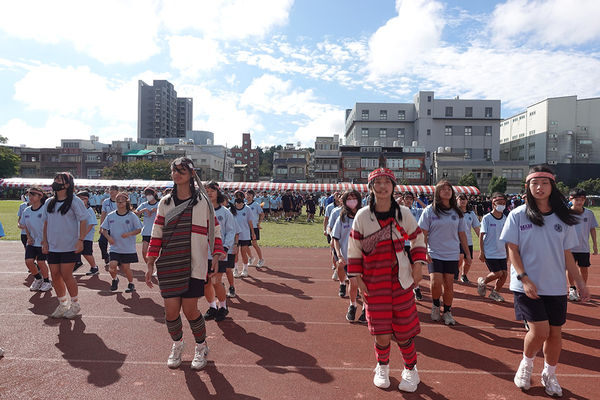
[[202, 230], [160, 220], [418, 253], [414, 234], [355, 234]]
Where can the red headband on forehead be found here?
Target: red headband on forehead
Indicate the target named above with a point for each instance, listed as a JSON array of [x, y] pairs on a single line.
[[499, 198], [382, 172], [540, 175], [122, 195]]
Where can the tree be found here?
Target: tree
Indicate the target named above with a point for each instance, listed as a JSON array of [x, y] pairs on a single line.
[[591, 186], [497, 184], [9, 162], [468, 180], [160, 170], [564, 189]]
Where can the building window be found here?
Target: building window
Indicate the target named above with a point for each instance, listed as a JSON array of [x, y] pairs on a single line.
[[488, 131], [364, 132], [488, 112], [383, 132], [400, 132], [394, 163], [487, 154], [552, 135], [429, 99], [584, 155], [383, 114], [282, 171], [429, 111], [369, 163], [365, 114], [401, 115], [531, 132], [412, 175], [468, 130], [553, 122], [412, 163], [468, 153], [552, 149], [468, 112], [512, 173], [428, 154], [428, 132], [585, 142], [449, 111], [448, 130]]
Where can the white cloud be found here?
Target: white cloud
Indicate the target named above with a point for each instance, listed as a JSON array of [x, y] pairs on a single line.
[[550, 22], [329, 123], [110, 31], [230, 19], [192, 55], [403, 39], [19, 132]]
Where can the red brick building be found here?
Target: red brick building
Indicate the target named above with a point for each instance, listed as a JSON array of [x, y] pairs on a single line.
[[246, 155]]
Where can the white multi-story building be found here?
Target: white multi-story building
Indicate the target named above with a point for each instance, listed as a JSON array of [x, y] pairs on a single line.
[[470, 127], [327, 159], [213, 162], [559, 131]]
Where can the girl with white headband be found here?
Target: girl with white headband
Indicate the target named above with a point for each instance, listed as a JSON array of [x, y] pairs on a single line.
[[540, 236]]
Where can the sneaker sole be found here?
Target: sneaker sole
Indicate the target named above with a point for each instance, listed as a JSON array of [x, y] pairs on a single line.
[[205, 361]]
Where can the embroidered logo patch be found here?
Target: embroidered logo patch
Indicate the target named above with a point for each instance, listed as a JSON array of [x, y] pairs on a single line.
[[127, 222], [526, 227], [492, 224], [39, 215], [454, 218], [558, 227], [244, 214], [220, 218], [585, 219]]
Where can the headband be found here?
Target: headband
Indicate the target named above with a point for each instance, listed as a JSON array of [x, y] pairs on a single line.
[[499, 198], [540, 175], [36, 192], [122, 195], [382, 172]]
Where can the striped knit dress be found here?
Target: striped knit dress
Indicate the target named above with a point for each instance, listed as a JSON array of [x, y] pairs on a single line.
[[376, 253]]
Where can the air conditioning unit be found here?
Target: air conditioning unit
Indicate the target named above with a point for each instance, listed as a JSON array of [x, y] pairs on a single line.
[[551, 162], [569, 132], [569, 156]]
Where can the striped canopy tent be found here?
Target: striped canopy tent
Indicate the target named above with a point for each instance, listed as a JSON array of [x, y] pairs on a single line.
[[139, 184]]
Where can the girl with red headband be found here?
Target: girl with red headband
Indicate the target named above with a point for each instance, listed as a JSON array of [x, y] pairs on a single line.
[[540, 236], [385, 276]]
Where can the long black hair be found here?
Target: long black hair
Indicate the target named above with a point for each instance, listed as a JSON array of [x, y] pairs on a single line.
[[240, 195], [188, 165], [346, 211], [469, 205], [151, 191], [43, 198], [215, 186], [67, 178], [438, 205], [394, 207], [557, 202]]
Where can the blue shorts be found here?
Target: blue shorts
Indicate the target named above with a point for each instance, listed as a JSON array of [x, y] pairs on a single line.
[[443, 267], [67, 257], [547, 308], [124, 258], [33, 252], [496, 265], [470, 250], [229, 262], [582, 259]]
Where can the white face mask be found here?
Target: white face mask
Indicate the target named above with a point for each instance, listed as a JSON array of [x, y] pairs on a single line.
[[500, 208], [149, 197]]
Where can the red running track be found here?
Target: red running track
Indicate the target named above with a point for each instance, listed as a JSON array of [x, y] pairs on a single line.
[[286, 337]]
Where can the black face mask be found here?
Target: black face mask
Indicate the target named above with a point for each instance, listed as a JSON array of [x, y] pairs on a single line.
[[57, 186], [239, 200]]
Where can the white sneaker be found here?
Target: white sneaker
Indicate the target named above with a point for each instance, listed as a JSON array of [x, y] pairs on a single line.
[[523, 376], [435, 313], [551, 385], [496, 296], [573, 296], [174, 359], [244, 273], [46, 286], [335, 275], [1, 351], [261, 262], [72, 311], [481, 289], [60, 311], [382, 376], [251, 261], [36, 285], [448, 319], [236, 273], [200, 355], [410, 380]]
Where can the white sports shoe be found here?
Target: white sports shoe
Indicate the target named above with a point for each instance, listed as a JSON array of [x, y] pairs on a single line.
[[573, 296], [46, 286], [335, 275], [36, 285], [551, 385], [261, 262], [496, 296], [174, 359], [410, 380], [236, 273], [435, 313], [448, 319], [481, 286], [72, 311], [60, 311], [1, 351], [523, 376], [200, 355], [382, 376], [244, 273], [251, 261]]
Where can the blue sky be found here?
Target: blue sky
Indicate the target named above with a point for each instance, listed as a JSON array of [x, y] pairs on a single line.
[[283, 70]]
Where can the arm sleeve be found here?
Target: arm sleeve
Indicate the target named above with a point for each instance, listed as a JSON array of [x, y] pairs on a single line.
[[418, 252]]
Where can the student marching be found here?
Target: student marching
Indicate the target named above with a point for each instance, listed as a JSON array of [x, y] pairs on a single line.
[[32, 220]]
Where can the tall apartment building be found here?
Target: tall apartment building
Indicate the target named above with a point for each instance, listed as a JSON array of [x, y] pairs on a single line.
[[470, 127], [327, 159], [245, 155], [161, 114], [559, 131]]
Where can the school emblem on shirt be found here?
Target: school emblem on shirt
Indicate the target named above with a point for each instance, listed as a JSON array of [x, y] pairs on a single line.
[[243, 214], [127, 221], [220, 218], [558, 227], [526, 227], [39, 215], [454, 218], [585, 219]]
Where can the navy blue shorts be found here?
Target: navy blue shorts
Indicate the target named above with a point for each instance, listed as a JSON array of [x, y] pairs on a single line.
[[195, 289], [124, 258], [470, 250], [247, 243], [146, 238], [547, 308], [33, 252], [257, 233], [229, 262], [496, 265], [582, 259], [68, 257], [88, 248], [24, 240], [443, 267]]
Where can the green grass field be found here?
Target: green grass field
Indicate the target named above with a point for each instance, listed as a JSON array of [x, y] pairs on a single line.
[[273, 234]]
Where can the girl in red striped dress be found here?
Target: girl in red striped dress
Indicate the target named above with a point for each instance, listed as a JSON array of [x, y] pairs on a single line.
[[386, 277]]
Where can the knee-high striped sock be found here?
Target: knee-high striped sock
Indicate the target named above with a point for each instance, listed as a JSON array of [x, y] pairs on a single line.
[[409, 353], [175, 329], [198, 329], [382, 353]]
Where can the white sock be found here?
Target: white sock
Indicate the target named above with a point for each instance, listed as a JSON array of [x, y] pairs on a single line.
[[213, 304], [63, 299], [223, 304], [245, 267], [528, 361], [549, 369], [353, 303], [75, 300]]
